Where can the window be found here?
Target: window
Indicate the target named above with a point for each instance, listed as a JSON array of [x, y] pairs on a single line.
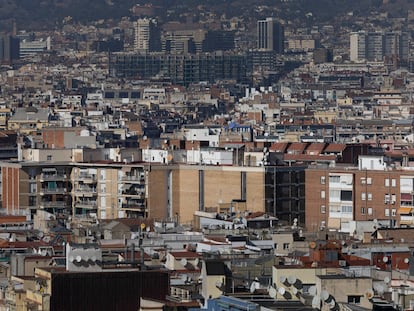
[[334, 179], [369, 210], [286, 246], [369, 196], [323, 209], [323, 194], [354, 299], [346, 195], [369, 181], [363, 196], [387, 198], [346, 209], [362, 210], [323, 180], [335, 195], [393, 212], [387, 182], [275, 246], [393, 182], [387, 212], [49, 157], [363, 181], [393, 198]]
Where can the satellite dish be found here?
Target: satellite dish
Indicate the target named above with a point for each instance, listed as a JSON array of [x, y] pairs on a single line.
[[316, 302], [71, 258], [387, 280], [78, 258], [282, 291], [385, 259], [295, 291], [272, 292], [283, 280], [183, 261], [253, 286], [380, 289], [406, 260], [312, 290], [291, 279], [369, 294], [312, 244], [324, 295], [93, 258]]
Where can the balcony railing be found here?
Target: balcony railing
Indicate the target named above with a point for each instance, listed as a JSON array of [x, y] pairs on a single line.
[[86, 204], [140, 178], [53, 190], [54, 204], [53, 177], [86, 178], [85, 189]]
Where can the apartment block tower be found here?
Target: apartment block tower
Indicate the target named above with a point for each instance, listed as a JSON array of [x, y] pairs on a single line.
[[270, 35], [375, 46], [147, 36]]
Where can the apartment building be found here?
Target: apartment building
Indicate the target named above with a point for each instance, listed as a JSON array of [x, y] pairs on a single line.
[[340, 197], [28, 186], [109, 190], [84, 190]]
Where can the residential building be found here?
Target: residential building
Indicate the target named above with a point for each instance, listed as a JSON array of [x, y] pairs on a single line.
[[338, 198], [377, 45]]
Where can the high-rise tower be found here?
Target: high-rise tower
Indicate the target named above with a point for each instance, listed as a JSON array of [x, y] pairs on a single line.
[[147, 35], [270, 35]]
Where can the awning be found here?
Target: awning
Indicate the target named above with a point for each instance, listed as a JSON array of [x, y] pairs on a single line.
[[334, 223], [405, 210], [406, 197], [406, 222]]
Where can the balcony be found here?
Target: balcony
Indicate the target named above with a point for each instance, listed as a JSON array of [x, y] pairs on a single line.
[[134, 204], [134, 178], [87, 204], [406, 220], [85, 190], [54, 204], [86, 178], [134, 191], [53, 177], [44, 191]]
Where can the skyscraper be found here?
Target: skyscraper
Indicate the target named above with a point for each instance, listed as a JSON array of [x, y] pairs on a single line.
[[270, 35], [147, 35]]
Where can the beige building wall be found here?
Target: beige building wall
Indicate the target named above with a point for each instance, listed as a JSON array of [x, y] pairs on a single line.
[[107, 193], [304, 275], [341, 287], [175, 190], [157, 193], [185, 192]]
